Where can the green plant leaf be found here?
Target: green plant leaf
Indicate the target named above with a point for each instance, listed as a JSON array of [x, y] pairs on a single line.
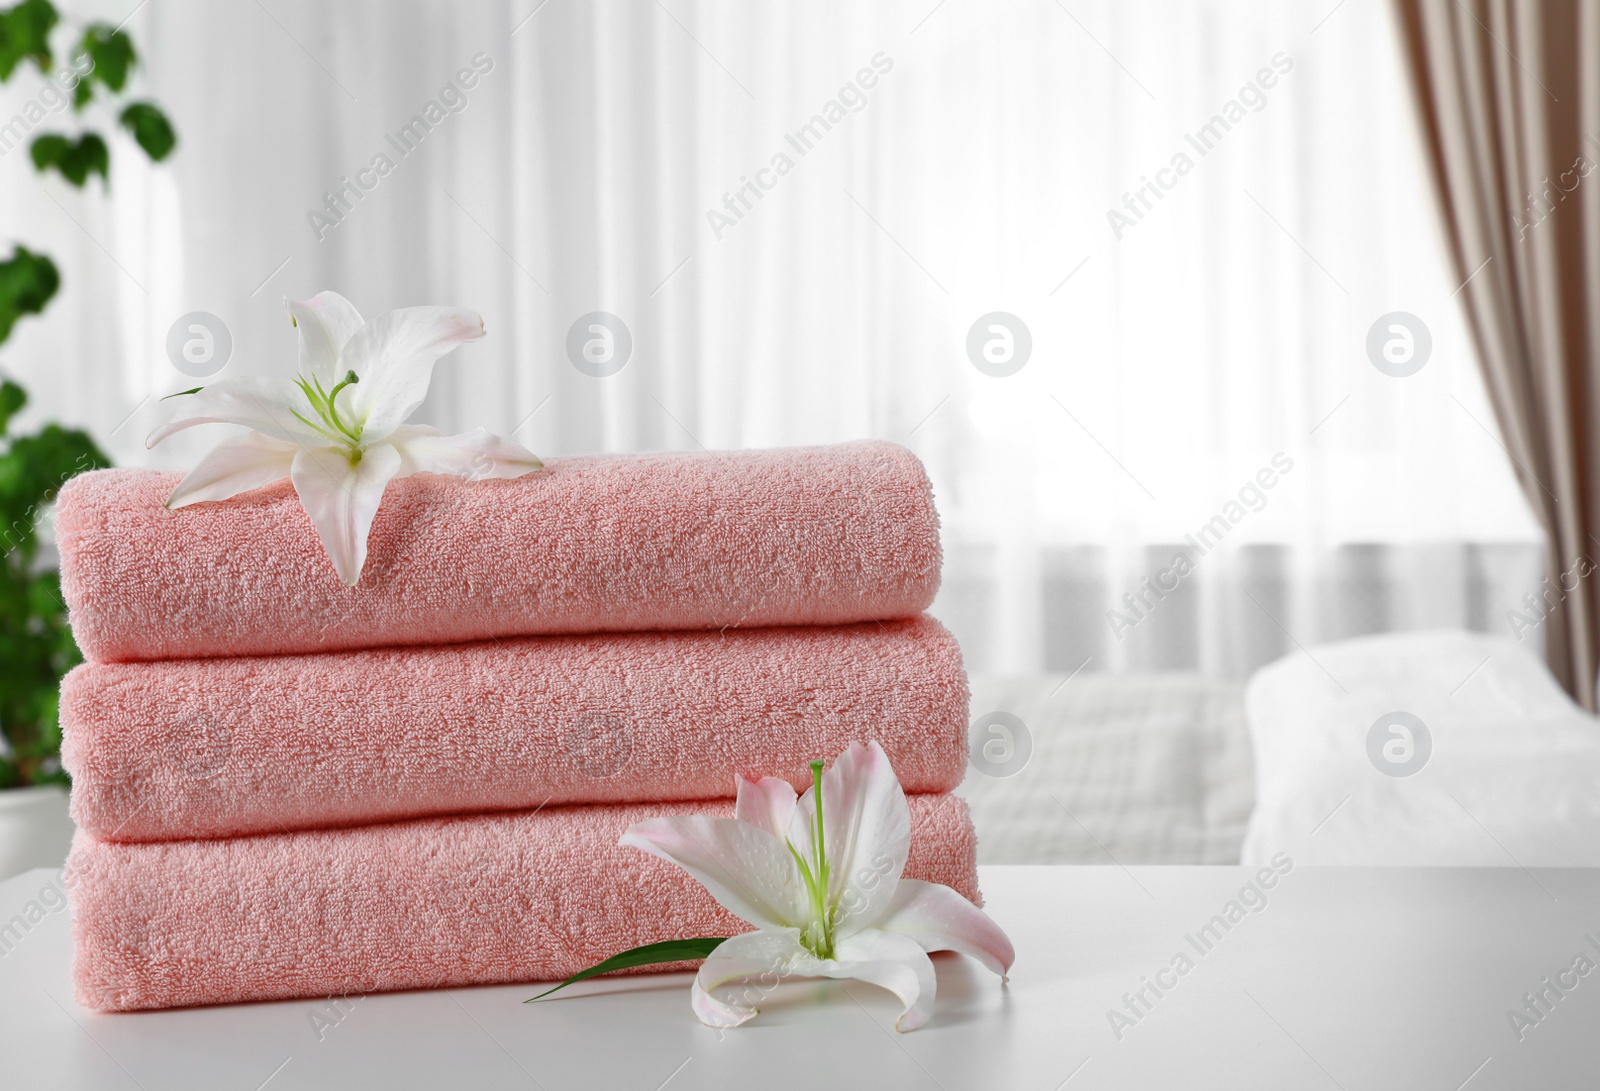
[[113, 55], [27, 282], [25, 35], [32, 469], [75, 160], [150, 128], [36, 645], [12, 399], [672, 950]]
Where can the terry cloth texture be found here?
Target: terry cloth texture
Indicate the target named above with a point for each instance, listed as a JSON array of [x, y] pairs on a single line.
[[221, 747], [433, 903], [623, 543]]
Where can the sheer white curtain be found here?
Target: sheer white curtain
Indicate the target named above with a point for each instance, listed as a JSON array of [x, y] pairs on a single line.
[[971, 170]]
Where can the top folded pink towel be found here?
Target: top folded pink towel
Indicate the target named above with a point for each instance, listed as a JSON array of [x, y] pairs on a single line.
[[797, 536]]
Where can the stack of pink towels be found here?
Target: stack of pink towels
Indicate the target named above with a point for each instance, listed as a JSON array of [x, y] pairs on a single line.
[[288, 787]]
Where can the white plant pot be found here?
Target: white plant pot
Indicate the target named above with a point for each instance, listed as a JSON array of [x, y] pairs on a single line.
[[35, 829]]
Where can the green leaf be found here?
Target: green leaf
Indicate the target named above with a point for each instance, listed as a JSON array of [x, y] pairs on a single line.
[[44, 597], [27, 282], [32, 469], [25, 35], [150, 128], [672, 950], [12, 399], [36, 645], [112, 53], [74, 159]]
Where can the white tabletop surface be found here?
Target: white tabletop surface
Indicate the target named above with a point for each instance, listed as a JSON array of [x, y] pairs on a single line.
[[1347, 978]]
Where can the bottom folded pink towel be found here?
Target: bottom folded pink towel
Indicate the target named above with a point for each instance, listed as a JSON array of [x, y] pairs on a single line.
[[527, 896]]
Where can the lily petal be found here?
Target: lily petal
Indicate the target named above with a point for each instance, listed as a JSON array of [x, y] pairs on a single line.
[[342, 498], [767, 803], [475, 455], [325, 321], [867, 826], [393, 354], [895, 962], [262, 404], [234, 466], [747, 869], [759, 960], [939, 919]]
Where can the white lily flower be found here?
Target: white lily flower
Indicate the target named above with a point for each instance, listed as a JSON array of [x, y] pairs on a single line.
[[822, 888], [337, 428]]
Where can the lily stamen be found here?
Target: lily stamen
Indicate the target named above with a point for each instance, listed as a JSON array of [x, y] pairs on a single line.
[[324, 403], [819, 895], [802, 928], [340, 458]]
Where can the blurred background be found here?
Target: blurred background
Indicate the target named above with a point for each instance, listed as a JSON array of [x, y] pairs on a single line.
[[1168, 365], [1175, 332]]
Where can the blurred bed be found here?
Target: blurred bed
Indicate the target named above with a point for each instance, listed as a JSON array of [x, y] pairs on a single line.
[[1414, 748], [1127, 769]]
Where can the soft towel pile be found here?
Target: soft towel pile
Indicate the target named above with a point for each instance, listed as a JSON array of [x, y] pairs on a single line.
[[290, 787]]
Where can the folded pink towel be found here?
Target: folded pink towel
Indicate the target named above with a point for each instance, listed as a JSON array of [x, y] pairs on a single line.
[[221, 747], [802, 536], [425, 904]]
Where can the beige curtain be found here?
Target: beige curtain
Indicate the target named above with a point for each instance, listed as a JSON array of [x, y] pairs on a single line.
[[1509, 92]]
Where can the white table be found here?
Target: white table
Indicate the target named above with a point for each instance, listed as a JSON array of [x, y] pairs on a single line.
[[1348, 978]]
